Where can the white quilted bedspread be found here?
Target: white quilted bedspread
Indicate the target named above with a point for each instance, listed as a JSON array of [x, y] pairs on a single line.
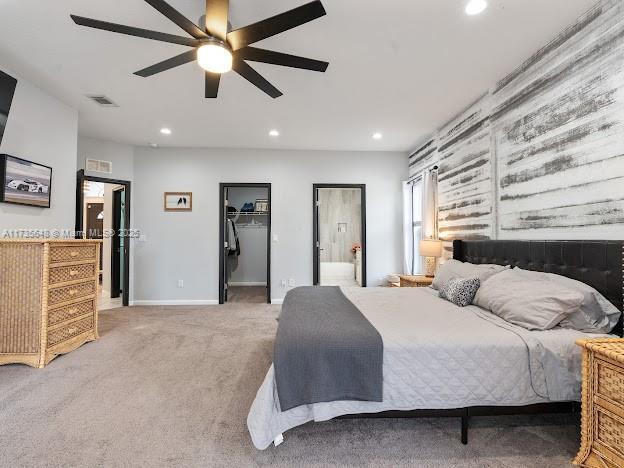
[[438, 355]]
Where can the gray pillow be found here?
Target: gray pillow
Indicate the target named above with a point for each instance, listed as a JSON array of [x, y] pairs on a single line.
[[596, 313], [528, 302], [460, 291], [455, 269]]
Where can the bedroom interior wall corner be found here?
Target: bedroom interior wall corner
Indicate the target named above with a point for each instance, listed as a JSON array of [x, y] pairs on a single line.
[[541, 155], [42, 129]]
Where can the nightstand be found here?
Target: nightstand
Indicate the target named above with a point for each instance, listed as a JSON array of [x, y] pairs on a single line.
[[602, 418], [415, 281]]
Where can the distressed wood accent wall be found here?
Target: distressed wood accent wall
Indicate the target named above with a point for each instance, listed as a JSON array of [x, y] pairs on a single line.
[[541, 156]]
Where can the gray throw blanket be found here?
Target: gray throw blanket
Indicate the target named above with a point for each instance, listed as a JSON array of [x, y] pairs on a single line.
[[325, 350]]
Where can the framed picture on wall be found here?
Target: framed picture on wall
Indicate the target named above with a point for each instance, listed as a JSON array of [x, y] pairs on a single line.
[[178, 201], [25, 182]]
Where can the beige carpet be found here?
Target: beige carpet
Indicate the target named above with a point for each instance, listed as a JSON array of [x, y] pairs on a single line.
[[169, 386]]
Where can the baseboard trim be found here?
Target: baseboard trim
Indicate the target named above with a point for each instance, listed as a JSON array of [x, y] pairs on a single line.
[[179, 302], [247, 283], [277, 301]]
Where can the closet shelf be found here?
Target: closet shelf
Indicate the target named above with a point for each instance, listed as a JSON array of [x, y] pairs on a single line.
[[248, 213]]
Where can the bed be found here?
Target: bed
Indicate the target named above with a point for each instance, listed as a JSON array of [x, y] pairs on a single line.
[[440, 360]]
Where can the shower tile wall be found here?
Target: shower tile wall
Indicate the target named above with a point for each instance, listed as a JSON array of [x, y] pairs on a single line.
[[339, 206]]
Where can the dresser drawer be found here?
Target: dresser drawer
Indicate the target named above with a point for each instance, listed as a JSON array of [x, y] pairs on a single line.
[[609, 381], [72, 253], [609, 430], [72, 273], [69, 331], [69, 293], [63, 314]]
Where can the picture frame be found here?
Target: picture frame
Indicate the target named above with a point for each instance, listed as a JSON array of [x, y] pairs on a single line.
[[178, 201], [261, 205], [24, 182]]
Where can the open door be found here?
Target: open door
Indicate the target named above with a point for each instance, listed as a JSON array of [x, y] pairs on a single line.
[[117, 241], [339, 235]]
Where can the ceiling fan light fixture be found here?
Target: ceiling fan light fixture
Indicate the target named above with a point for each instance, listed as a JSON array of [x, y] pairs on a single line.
[[215, 57]]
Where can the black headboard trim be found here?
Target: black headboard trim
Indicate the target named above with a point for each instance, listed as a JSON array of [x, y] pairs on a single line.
[[596, 263]]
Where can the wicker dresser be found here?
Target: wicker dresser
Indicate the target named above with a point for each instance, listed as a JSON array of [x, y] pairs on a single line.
[[48, 298], [415, 281], [602, 423]]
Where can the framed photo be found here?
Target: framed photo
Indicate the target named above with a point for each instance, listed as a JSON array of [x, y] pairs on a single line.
[[178, 201], [25, 182], [261, 206]]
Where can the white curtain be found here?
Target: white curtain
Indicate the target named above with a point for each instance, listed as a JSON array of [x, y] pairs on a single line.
[[412, 226], [430, 204]]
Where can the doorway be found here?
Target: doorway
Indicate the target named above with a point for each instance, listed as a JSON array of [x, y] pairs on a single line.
[[103, 212], [245, 243], [339, 234]]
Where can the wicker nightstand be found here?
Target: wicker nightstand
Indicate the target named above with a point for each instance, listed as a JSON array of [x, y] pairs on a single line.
[[415, 281], [602, 421]]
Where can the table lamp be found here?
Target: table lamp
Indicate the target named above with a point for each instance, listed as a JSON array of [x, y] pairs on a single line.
[[431, 249]]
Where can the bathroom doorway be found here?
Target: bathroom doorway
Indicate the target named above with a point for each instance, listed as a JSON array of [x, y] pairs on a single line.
[[339, 242]]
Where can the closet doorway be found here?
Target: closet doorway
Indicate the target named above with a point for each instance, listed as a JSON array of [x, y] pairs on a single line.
[[244, 243], [339, 229]]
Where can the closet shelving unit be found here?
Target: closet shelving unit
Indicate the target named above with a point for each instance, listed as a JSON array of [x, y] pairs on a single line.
[[248, 218]]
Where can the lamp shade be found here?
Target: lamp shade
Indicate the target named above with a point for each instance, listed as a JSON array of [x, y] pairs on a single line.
[[430, 248]]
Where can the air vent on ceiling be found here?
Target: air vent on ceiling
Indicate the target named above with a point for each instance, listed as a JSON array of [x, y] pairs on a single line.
[[102, 100], [94, 165]]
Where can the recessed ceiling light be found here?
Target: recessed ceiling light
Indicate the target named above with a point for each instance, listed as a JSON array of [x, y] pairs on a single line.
[[474, 7], [274, 133], [377, 136], [165, 131]]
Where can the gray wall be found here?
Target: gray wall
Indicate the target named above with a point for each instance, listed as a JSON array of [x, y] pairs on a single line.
[[541, 155], [339, 206], [186, 245], [44, 130]]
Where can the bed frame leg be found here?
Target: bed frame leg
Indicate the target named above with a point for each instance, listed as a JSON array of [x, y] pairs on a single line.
[[464, 430]]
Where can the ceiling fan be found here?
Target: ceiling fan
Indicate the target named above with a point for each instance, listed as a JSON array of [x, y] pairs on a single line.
[[218, 50]]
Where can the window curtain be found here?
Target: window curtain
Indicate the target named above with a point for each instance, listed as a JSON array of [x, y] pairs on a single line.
[[412, 226], [430, 203]]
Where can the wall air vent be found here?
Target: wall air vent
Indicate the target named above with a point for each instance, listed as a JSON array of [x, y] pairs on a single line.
[[94, 165], [102, 100]]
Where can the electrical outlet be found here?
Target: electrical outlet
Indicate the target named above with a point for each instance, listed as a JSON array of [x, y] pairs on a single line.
[[180, 283], [283, 283], [291, 282]]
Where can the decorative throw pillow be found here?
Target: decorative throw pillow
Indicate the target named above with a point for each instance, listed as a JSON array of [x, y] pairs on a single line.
[[460, 291]]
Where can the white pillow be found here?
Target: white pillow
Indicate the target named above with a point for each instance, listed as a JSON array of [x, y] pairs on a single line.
[[528, 302], [596, 313], [452, 269]]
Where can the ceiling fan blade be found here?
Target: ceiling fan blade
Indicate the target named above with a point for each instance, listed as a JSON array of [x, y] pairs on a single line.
[[132, 31], [278, 58], [217, 18], [212, 84], [178, 18], [246, 35], [168, 64], [244, 69]]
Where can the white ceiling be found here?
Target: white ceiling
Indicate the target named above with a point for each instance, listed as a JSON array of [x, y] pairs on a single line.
[[400, 67]]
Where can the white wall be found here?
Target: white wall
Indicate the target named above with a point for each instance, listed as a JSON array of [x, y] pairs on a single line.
[[186, 245], [44, 130], [119, 154]]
